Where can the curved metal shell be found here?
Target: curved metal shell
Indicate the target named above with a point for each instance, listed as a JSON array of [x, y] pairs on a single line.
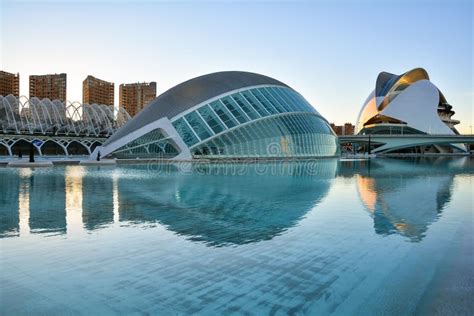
[[409, 98]]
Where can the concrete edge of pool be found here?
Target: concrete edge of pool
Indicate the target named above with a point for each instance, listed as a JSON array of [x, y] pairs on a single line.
[[52, 161]]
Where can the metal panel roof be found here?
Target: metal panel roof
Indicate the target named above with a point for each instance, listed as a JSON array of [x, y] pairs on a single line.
[[190, 93]]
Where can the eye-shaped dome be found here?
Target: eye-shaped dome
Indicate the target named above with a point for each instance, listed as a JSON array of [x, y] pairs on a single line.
[[230, 114], [192, 92]]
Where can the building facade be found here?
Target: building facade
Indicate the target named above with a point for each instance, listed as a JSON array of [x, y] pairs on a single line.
[[225, 115], [95, 90], [9, 84], [51, 86], [135, 96], [349, 129], [346, 129]]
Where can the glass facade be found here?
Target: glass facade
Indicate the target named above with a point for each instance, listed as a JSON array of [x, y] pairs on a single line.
[[266, 121], [151, 145], [288, 135]]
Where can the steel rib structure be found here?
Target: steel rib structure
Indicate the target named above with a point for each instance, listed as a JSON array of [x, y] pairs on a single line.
[[52, 117]]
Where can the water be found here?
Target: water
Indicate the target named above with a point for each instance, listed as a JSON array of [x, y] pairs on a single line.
[[318, 237]]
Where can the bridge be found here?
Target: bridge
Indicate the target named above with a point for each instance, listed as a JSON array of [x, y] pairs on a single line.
[[400, 141]]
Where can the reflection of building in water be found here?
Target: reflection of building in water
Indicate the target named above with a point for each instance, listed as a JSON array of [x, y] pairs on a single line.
[[9, 218], [74, 175], [24, 201], [24, 205], [56, 200], [115, 198], [97, 199], [390, 201], [74, 186], [258, 202], [223, 204], [388, 189], [47, 202]]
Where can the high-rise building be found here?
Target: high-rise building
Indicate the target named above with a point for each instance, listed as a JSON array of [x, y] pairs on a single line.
[[9, 83], [135, 96], [349, 129], [95, 90], [346, 129], [336, 128], [50, 86]]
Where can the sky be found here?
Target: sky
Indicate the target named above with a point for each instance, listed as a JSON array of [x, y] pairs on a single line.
[[329, 51]]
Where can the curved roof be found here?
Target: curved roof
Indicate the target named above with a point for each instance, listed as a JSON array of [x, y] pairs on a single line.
[[398, 83], [387, 88], [387, 81], [190, 93]]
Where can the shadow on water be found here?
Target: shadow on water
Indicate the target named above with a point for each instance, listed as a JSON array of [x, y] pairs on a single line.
[[223, 204], [404, 196]]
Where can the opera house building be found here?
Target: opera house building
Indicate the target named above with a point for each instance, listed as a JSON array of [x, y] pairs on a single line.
[[408, 104], [225, 115]]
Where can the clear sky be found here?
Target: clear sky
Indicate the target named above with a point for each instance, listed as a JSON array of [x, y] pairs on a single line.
[[329, 51]]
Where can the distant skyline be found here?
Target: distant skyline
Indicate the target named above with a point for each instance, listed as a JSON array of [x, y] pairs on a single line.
[[329, 51]]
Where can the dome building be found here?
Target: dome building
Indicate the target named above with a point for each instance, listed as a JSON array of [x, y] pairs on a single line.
[[229, 114], [408, 104]]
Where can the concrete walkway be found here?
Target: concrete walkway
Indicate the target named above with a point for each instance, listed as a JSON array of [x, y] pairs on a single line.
[[27, 164], [103, 162]]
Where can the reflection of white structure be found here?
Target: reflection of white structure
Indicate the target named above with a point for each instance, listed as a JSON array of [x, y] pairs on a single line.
[[407, 104], [388, 187], [391, 203]]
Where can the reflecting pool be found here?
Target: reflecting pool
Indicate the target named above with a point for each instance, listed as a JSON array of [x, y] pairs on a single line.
[[313, 237]]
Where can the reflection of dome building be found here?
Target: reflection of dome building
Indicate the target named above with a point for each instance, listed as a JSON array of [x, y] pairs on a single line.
[[251, 205], [392, 207], [225, 114], [218, 204], [407, 104], [389, 190]]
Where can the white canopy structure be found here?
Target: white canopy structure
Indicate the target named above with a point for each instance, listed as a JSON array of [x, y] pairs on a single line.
[[53, 117]]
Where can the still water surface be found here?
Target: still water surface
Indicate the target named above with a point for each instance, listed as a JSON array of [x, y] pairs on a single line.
[[319, 237]]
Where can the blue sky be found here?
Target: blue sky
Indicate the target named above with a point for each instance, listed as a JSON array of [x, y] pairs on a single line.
[[329, 51]]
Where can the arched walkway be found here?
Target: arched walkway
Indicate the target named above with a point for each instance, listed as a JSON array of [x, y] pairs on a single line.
[[50, 148], [22, 146], [94, 145], [76, 148], [4, 150]]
